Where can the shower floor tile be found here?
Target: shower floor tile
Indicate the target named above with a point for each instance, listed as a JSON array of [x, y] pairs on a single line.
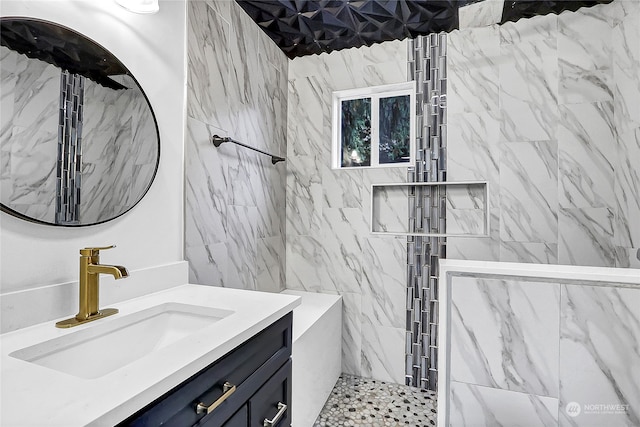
[[356, 401]]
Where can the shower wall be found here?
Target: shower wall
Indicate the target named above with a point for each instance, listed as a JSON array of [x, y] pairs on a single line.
[[548, 111], [234, 197], [329, 246]]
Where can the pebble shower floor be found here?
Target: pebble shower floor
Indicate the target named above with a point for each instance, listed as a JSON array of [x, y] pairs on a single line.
[[356, 401]]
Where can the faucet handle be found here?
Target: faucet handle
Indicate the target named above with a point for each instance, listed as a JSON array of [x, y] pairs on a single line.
[[94, 251]]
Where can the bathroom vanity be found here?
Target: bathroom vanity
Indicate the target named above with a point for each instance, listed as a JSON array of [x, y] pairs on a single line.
[[189, 355]]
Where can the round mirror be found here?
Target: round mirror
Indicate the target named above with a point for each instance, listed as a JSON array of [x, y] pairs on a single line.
[[79, 142]]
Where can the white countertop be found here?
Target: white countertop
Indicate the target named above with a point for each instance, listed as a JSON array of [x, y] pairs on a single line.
[[34, 396]]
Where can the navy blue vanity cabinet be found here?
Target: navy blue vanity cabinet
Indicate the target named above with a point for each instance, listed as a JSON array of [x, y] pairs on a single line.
[[244, 388]]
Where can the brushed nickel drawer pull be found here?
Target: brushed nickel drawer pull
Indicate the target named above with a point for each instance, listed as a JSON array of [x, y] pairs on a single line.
[[282, 408], [228, 389]]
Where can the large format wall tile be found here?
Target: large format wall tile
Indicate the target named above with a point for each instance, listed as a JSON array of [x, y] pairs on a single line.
[[328, 242], [599, 357], [586, 155], [586, 237], [383, 300], [206, 187], [475, 406], [208, 65], [528, 192], [235, 198], [568, 81], [383, 353], [505, 334]]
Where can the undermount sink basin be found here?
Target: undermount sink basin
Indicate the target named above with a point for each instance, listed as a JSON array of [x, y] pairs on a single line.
[[104, 347]]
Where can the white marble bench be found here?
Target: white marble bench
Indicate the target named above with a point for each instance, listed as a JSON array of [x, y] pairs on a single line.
[[317, 353]]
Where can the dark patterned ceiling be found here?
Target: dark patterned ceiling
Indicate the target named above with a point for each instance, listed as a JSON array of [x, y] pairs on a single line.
[[305, 27]]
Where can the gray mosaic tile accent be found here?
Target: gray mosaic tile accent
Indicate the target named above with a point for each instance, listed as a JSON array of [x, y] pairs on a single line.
[[357, 401], [427, 206], [68, 172]]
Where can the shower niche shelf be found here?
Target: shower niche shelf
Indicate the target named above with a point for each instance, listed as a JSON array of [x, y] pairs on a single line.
[[465, 212]]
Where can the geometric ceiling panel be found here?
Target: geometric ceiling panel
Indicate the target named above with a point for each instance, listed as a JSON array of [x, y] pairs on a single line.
[[306, 27], [302, 27]]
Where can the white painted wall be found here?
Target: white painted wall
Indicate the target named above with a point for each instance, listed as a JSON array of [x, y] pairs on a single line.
[[151, 234]]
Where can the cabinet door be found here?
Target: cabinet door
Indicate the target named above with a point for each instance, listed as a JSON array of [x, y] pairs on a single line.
[[273, 401]]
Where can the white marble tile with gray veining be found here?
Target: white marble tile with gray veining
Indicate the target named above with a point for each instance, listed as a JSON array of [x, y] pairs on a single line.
[[481, 14], [626, 93], [529, 91], [626, 35], [599, 357], [241, 267], [206, 186], [389, 209], [385, 63], [586, 237], [304, 271], [578, 85], [519, 351], [472, 85], [473, 405], [268, 254], [243, 51], [585, 37], [627, 257], [208, 70], [385, 274], [28, 138], [351, 333], [531, 30], [244, 168], [304, 207], [538, 253], [528, 192], [474, 47], [207, 264], [342, 240], [270, 198], [627, 231], [586, 155], [342, 188], [382, 353]]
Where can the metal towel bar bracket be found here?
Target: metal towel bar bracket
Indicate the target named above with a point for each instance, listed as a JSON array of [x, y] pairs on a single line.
[[217, 140]]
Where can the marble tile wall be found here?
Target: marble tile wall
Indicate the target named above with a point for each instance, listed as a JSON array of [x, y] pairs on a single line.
[[234, 197], [523, 352], [329, 245], [28, 142], [127, 156], [548, 112], [28, 133]]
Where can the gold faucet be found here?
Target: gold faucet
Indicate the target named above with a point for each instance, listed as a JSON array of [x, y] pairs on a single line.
[[90, 270]]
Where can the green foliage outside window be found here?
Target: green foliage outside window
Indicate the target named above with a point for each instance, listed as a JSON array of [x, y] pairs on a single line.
[[356, 132], [395, 116]]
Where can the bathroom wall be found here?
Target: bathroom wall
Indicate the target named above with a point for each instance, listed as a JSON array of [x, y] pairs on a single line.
[[235, 198], [29, 142], [541, 351], [152, 47], [329, 245], [548, 111]]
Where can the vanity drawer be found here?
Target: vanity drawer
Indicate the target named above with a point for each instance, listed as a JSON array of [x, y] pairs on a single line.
[[247, 367]]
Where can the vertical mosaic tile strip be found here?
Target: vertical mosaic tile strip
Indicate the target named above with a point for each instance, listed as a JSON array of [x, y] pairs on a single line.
[[68, 170], [427, 204]]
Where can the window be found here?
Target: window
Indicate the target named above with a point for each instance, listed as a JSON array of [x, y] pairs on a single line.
[[373, 127]]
